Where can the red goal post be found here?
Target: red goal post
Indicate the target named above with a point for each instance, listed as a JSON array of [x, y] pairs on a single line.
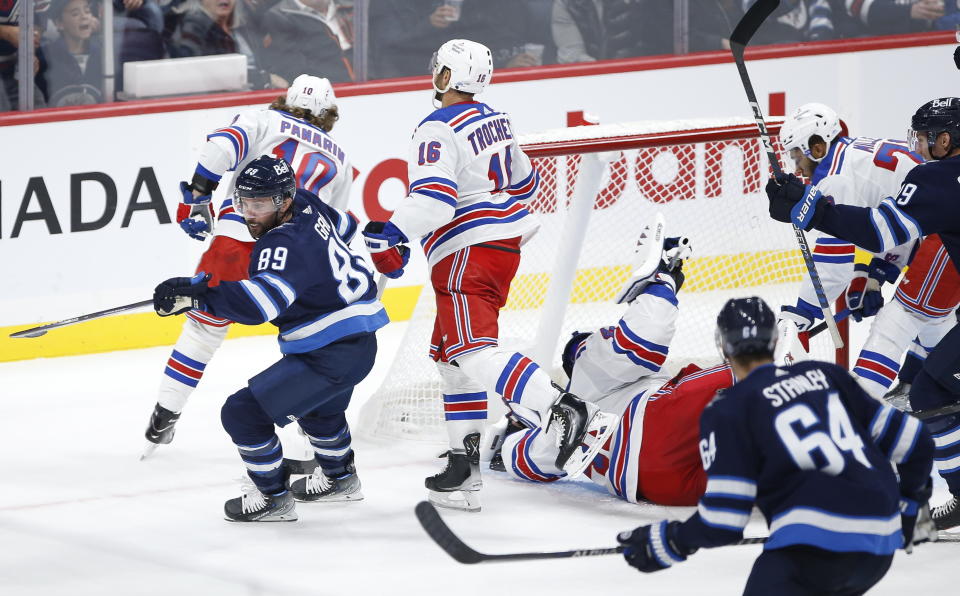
[[599, 186]]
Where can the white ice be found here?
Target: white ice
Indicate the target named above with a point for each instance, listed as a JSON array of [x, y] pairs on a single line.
[[79, 514]]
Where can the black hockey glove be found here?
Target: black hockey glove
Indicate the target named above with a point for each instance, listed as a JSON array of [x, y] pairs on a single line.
[[654, 547], [793, 202], [916, 524], [180, 294]]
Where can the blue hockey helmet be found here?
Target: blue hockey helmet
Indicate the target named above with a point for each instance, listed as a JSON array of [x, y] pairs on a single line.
[[264, 177], [935, 117], [746, 326]]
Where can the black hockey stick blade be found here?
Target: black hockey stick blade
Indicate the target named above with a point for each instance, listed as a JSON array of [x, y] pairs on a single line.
[[42, 329], [751, 21], [456, 548], [941, 411]]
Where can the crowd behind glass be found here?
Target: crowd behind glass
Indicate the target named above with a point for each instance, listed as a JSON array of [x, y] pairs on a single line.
[[283, 38]]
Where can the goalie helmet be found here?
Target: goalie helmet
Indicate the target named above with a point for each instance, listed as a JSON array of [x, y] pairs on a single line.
[[311, 93], [806, 121], [264, 177], [935, 117], [470, 64], [746, 326]]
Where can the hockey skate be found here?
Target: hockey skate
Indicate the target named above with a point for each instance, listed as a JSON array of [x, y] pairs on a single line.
[[458, 485], [254, 506], [161, 429], [899, 396], [329, 489], [493, 441], [581, 429], [947, 516]]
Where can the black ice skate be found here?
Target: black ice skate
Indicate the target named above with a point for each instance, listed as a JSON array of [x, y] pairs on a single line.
[[161, 428], [320, 487], [458, 485], [899, 397], [581, 431], [254, 506], [947, 516], [511, 426]]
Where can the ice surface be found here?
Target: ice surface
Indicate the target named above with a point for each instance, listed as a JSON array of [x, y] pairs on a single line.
[[79, 514]]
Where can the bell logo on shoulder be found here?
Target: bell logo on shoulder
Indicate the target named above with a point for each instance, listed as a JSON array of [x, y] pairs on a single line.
[[281, 168]]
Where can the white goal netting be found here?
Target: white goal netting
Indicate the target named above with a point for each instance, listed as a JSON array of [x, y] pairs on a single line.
[[599, 186]]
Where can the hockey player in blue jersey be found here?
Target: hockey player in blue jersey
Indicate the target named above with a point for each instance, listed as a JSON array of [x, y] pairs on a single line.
[[305, 279], [813, 452], [926, 204]]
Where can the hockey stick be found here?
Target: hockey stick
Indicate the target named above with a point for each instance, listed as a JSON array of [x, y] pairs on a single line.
[[441, 533], [941, 411], [739, 39], [42, 329], [843, 314]]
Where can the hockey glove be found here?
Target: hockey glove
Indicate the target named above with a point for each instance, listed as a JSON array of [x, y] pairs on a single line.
[[180, 294], [385, 242], [863, 294], [669, 270], [195, 214], [804, 314], [654, 547], [793, 202], [916, 524]]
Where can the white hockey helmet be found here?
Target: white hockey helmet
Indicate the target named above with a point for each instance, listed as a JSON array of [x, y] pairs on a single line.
[[311, 93], [806, 121], [470, 64]]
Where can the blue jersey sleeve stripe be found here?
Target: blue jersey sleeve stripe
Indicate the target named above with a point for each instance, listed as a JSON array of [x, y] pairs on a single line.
[[233, 141], [839, 260], [881, 420], [636, 338], [207, 173], [726, 519], [261, 300], [525, 181], [880, 226], [288, 292], [433, 179], [906, 439], [438, 196], [662, 291], [878, 357], [900, 234], [910, 225]]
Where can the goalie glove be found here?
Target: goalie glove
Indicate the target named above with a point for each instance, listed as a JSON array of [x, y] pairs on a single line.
[[667, 270], [195, 214], [863, 294], [180, 294], [386, 244], [654, 547]]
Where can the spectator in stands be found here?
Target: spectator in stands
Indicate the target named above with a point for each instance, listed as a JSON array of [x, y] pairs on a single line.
[[216, 27], [9, 50], [796, 21], [882, 17], [588, 30], [405, 33], [74, 73], [302, 36], [146, 11]]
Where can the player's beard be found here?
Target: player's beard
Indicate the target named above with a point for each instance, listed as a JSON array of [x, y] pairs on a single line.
[[258, 229]]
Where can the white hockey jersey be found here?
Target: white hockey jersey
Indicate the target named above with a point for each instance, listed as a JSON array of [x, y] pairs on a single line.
[[318, 162], [859, 171], [469, 181]]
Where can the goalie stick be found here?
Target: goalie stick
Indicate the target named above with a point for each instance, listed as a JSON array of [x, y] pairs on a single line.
[[739, 39], [441, 533], [42, 329]]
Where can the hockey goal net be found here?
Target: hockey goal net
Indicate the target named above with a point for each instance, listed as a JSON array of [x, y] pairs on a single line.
[[599, 186]]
